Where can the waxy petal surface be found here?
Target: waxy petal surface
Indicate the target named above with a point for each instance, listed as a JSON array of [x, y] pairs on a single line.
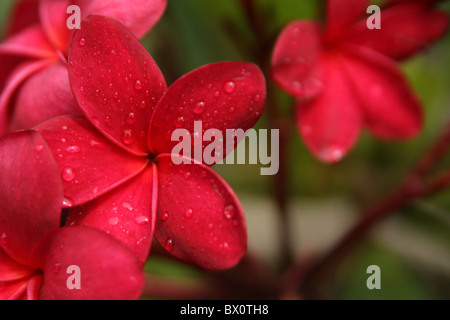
[[295, 56], [391, 108], [200, 219], [107, 269], [115, 81], [225, 95], [27, 168], [37, 103], [330, 124], [126, 213], [90, 165]]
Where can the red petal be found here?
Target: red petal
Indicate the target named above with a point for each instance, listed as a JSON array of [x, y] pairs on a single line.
[[108, 270], [127, 213], [200, 219], [405, 30], [342, 13], [24, 14], [391, 108], [330, 124], [115, 81], [20, 74], [37, 103], [11, 270], [53, 14], [34, 286], [30, 42], [90, 165], [31, 189], [139, 17], [295, 56], [14, 290], [227, 95]]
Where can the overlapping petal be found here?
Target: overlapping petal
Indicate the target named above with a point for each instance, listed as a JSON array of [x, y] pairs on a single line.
[[90, 165], [225, 95], [10, 270], [200, 219], [340, 14], [115, 81], [406, 29], [107, 269], [391, 108], [330, 123], [27, 167], [127, 213], [53, 18], [294, 59], [36, 103]]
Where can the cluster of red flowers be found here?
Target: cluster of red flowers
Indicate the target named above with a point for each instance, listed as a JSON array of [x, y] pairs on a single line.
[[86, 119]]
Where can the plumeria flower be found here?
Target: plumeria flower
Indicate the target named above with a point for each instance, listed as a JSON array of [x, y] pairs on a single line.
[[36, 255], [35, 53], [116, 163], [345, 77]]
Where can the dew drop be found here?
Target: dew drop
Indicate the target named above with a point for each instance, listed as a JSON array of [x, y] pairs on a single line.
[[257, 98], [128, 136], [82, 42], [169, 245], [116, 95], [39, 148], [57, 267], [128, 206], [199, 107], [142, 220], [113, 221], [66, 203], [68, 174], [187, 175], [131, 118], [217, 94], [229, 212], [165, 217], [73, 149], [179, 122], [108, 119], [229, 86], [138, 85], [4, 238], [143, 104], [231, 110], [189, 213]]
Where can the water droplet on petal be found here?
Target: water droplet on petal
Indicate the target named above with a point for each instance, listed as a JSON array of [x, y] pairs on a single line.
[[131, 118], [39, 148], [143, 104], [4, 238], [165, 217], [200, 107], [179, 122], [169, 245], [142, 220], [229, 86], [229, 212], [68, 174], [187, 175], [257, 98], [66, 203], [331, 155], [113, 221], [128, 136], [189, 213], [138, 85], [73, 149], [82, 42], [57, 267], [217, 94], [128, 206]]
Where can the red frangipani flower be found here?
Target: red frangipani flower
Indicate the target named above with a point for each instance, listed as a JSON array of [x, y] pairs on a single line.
[[116, 164], [344, 74], [35, 253], [35, 53]]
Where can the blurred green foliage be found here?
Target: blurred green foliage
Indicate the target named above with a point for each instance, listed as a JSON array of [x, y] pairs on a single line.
[[196, 32]]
